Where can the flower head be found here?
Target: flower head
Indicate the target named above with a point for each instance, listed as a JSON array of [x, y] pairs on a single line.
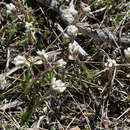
[[53, 3], [10, 7], [21, 61], [66, 15], [72, 30], [29, 26], [85, 8], [110, 63], [2, 81], [61, 63], [75, 49], [42, 54], [68, 12], [127, 52], [72, 10], [48, 56], [58, 85]]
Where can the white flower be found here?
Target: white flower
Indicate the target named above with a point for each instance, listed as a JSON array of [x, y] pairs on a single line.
[[66, 15], [54, 3], [72, 10], [58, 85], [10, 7], [61, 63], [72, 30], [127, 52], [110, 63], [8, 12], [68, 12], [21, 61], [48, 56], [85, 8], [2, 81], [42, 54], [28, 26], [128, 76], [74, 49]]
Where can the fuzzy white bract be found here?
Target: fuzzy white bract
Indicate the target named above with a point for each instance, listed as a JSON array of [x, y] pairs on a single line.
[[110, 63], [10, 7], [72, 30], [48, 56], [2, 81], [86, 8], [72, 10], [28, 26], [54, 3], [60, 63], [75, 49], [58, 85], [21, 61], [68, 13], [127, 53], [43, 54]]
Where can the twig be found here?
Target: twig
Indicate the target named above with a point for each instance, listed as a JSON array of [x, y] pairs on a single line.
[[127, 110], [10, 105], [102, 35]]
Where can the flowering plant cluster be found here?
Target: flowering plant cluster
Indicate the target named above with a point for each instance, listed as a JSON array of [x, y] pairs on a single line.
[[64, 63], [69, 14]]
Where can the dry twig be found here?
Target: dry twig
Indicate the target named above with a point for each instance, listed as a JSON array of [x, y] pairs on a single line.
[[103, 35]]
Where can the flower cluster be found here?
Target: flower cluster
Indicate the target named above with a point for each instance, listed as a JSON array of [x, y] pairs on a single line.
[[110, 63], [42, 54], [58, 85], [72, 30], [60, 63], [127, 53], [75, 49], [10, 8], [2, 81], [28, 26], [47, 56], [85, 8], [68, 13], [21, 61]]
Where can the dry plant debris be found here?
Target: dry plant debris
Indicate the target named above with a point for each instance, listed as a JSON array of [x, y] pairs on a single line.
[[64, 64]]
